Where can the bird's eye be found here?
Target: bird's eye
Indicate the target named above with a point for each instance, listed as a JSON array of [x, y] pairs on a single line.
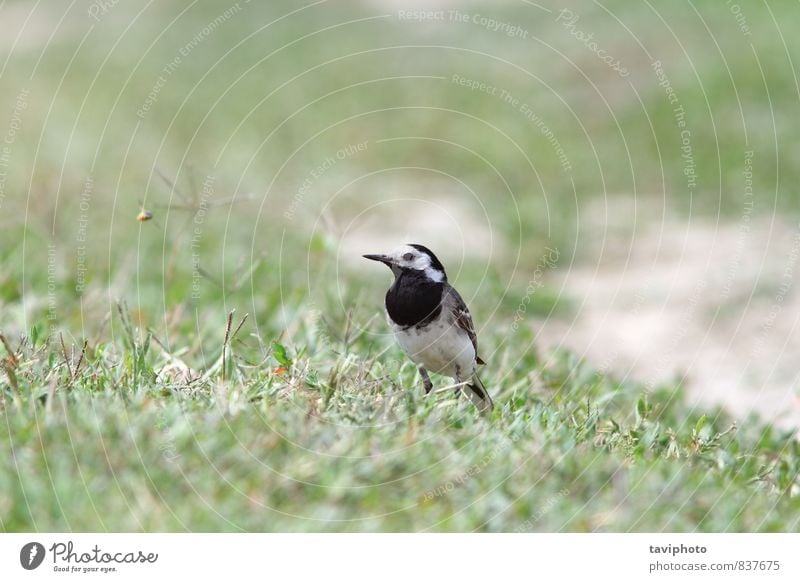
[[408, 256]]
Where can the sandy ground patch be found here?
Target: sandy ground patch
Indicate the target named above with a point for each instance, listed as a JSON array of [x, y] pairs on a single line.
[[715, 305], [454, 224], [23, 27]]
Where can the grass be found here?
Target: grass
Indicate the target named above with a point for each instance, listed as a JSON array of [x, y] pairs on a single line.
[[324, 434], [124, 406]]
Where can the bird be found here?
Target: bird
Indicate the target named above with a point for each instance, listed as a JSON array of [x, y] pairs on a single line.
[[431, 322]]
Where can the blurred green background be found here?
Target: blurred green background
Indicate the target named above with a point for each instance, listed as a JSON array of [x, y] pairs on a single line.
[[255, 97]]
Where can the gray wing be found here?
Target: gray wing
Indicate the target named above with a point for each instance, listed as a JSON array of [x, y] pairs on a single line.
[[462, 317]]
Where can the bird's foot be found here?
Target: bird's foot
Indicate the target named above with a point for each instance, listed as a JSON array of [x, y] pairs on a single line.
[[426, 380]]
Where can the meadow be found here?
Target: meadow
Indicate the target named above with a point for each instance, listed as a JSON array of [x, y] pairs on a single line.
[[223, 364]]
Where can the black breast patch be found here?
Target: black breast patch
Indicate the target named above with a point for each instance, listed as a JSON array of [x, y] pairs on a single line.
[[414, 299]]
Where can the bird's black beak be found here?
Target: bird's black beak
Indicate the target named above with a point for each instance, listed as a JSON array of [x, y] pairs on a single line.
[[380, 258]]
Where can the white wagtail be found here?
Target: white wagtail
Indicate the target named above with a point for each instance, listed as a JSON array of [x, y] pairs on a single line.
[[431, 322]]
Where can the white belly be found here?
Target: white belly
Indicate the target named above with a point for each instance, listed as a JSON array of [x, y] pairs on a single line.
[[439, 347]]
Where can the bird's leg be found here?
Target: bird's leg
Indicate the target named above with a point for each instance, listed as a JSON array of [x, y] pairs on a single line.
[[426, 380], [459, 389]]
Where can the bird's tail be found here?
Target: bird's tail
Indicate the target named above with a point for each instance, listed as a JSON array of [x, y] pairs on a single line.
[[479, 395]]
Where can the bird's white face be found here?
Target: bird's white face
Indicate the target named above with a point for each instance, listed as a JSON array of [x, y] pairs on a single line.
[[408, 257]]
